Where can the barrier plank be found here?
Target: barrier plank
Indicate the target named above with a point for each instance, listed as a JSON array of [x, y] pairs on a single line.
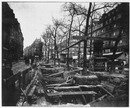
[[72, 93]]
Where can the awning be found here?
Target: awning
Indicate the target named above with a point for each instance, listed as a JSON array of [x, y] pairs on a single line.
[[111, 53]]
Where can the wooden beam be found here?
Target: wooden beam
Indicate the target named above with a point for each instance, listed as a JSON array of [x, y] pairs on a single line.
[[90, 86], [83, 96], [76, 87], [30, 94], [90, 38], [71, 45], [56, 74], [30, 84], [72, 93], [107, 92], [53, 85], [66, 87]]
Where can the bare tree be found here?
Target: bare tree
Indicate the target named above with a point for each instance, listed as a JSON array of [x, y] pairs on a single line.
[[93, 10], [69, 7], [56, 36], [47, 40]]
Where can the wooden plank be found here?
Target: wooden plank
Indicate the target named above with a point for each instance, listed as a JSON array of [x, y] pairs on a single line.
[[72, 93], [56, 74], [15, 77], [90, 86], [32, 91], [30, 94], [76, 87], [66, 87], [62, 84], [12, 78], [98, 99], [107, 92], [90, 38], [71, 46], [83, 96], [86, 76], [30, 84]]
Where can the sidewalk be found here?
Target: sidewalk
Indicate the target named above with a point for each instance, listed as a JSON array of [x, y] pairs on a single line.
[[17, 66]]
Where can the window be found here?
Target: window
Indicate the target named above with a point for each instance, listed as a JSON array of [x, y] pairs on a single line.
[[112, 12], [122, 32], [94, 34], [116, 10], [112, 43], [114, 25], [114, 18], [106, 35], [101, 24], [121, 41], [109, 14], [106, 22], [97, 33], [114, 34], [117, 32], [110, 20], [118, 16], [107, 50]]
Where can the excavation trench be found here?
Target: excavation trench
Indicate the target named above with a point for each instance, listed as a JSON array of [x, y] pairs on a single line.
[[52, 85]]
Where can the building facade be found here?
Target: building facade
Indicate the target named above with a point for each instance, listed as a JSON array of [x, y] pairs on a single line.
[[12, 37], [111, 31], [114, 26]]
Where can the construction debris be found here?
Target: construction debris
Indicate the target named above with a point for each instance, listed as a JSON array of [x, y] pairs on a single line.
[[60, 87]]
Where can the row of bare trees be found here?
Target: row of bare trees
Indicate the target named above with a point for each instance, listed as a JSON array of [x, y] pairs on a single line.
[[78, 18]]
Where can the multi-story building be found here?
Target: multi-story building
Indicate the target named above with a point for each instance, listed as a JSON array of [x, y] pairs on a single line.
[[114, 26], [12, 37]]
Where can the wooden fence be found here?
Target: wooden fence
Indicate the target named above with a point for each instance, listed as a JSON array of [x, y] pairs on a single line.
[[19, 77]]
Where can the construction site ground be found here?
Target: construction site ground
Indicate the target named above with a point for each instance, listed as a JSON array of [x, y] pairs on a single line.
[[120, 99]]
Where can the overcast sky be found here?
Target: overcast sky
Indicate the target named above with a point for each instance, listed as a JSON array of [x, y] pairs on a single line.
[[34, 17]]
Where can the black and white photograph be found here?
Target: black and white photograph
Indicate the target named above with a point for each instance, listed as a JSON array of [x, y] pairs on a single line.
[[65, 53]]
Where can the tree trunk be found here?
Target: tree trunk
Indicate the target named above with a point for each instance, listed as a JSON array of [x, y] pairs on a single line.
[[48, 54], [85, 41], [57, 57], [69, 41], [55, 52], [79, 55]]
